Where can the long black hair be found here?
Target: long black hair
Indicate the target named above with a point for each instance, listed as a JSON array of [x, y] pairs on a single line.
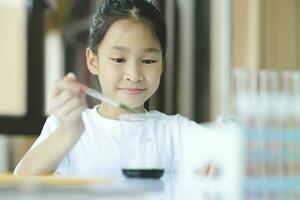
[[111, 11]]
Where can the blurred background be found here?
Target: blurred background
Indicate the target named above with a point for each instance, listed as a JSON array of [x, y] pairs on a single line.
[[41, 40]]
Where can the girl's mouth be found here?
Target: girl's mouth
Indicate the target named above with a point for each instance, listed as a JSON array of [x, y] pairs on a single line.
[[132, 91]]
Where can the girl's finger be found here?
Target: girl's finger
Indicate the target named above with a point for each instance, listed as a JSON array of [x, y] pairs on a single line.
[[209, 170], [73, 115], [57, 89], [71, 75], [60, 100], [66, 84], [71, 105]]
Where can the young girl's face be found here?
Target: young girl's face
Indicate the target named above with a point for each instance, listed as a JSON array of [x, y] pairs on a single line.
[[128, 63]]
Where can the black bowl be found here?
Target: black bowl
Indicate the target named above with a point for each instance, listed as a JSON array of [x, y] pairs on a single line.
[[143, 173]]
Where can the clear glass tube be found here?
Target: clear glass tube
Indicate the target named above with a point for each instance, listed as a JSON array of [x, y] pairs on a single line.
[[296, 96], [268, 96], [244, 91]]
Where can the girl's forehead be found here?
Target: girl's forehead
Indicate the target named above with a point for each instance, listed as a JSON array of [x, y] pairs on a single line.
[[128, 32]]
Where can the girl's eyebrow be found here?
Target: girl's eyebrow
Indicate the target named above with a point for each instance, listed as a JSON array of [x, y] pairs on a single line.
[[153, 49], [122, 48]]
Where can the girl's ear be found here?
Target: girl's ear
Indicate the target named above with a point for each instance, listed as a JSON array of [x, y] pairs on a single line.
[[91, 61]]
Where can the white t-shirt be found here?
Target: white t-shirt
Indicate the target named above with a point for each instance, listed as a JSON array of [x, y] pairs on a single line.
[[98, 151]]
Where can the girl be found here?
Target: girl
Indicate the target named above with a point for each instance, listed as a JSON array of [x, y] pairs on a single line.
[[127, 49]]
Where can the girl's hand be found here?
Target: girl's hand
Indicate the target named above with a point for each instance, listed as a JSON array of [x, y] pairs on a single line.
[[67, 104], [209, 170]]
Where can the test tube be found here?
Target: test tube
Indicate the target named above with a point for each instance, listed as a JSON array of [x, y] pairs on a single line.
[[244, 94], [267, 119], [243, 88], [288, 146], [296, 96], [268, 93], [296, 117]]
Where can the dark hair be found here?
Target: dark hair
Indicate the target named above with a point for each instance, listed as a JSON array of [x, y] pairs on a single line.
[[111, 11]]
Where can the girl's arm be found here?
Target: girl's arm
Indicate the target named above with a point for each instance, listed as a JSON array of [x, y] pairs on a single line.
[[66, 104], [46, 156]]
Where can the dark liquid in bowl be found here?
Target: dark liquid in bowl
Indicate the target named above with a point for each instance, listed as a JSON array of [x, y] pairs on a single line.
[[143, 173]]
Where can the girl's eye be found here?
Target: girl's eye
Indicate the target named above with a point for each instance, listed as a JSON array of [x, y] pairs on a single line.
[[118, 60], [149, 61]]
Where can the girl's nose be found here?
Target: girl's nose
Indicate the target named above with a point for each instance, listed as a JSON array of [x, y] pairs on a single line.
[[133, 74]]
